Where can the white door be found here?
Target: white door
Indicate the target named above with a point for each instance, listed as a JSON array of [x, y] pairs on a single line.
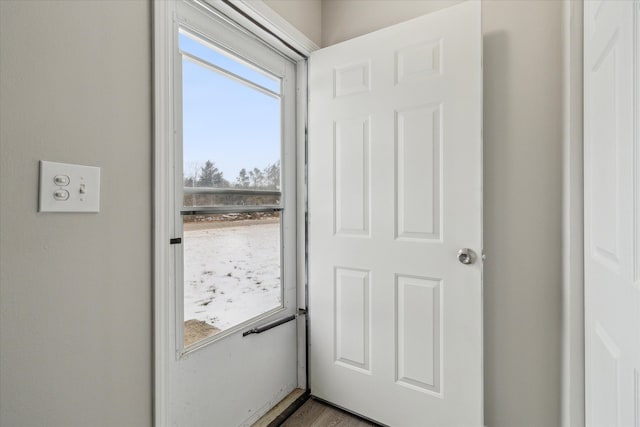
[[234, 210], [612, 214], [395, 191]]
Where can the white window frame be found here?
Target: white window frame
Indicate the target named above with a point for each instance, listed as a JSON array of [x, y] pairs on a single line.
[[281, 36], [193, 21]]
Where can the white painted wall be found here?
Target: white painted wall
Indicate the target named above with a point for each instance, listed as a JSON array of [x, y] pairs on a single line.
[[523, 193], [75, 289]]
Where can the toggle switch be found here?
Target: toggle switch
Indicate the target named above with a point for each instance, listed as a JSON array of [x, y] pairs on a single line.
[[61, 195], [83, 189], [61, 180]]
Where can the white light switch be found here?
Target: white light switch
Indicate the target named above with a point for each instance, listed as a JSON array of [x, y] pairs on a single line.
[[61, 180], [69, 188]]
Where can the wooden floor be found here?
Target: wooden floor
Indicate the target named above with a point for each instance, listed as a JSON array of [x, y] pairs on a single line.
[[317, 414]]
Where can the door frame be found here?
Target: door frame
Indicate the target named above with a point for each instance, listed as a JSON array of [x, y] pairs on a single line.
[[573, 280], [573, 350], [257, 18]]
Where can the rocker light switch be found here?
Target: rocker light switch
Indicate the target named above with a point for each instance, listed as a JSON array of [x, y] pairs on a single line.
[[61, 195], [61, 180], [69, 188]]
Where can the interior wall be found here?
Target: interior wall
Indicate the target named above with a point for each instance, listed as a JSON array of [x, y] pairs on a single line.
[[75, 289], [523, 128], [305, 15], [522, 194], [346, 19]]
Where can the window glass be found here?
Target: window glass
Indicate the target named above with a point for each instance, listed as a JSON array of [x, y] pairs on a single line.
[[231, 134], [218, 57], [231, 147], [198, 197], [231, 270]]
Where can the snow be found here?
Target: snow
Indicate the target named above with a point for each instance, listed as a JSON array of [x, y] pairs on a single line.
[[231, 271]]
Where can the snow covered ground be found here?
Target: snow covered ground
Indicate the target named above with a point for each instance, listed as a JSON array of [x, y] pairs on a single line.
[[231, 271]]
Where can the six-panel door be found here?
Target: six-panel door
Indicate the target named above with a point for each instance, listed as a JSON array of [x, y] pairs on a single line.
[[395, 190]]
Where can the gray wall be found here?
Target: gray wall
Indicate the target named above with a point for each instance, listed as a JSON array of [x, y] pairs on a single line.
[[75, 289], [522, 185], [523, 212], [305, 15], [346, 19]]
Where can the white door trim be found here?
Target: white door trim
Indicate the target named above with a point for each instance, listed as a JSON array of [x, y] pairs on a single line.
[[163, 216], [573, 405], [163, 15], [259, 12]]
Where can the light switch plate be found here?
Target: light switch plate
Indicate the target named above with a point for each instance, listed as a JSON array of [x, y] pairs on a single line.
[[69, 188]]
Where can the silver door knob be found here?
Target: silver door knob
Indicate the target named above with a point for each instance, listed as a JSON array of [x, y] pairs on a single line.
[[466, 256]]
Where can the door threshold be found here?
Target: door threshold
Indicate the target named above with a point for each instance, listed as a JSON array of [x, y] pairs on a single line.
[[287, 406]]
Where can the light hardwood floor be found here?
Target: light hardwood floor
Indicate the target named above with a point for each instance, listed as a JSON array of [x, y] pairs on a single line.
[[317, 414]]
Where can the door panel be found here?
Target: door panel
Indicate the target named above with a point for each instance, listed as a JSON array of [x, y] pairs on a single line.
[[351, 176], [612, 293], [352, 318], [236, 266], [395, 190], [418, 172]]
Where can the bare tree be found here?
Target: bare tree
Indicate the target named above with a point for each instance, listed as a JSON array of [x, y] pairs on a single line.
[[242, 180], [257, 177], [272, 175]]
